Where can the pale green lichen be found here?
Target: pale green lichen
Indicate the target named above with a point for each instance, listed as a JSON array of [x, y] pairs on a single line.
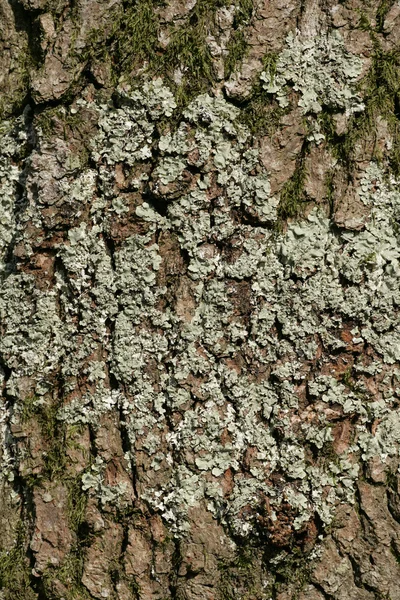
[[126, 133], [321, 69], [214, 390], [92, 482], [80, 189], [33, 344], [13, 138]]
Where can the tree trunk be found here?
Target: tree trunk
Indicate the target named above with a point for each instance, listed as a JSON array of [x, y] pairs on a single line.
[[199, 307]]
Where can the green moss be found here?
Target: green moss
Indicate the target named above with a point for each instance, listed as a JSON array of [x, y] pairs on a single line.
[[14, 91], [188, 51], [383, 96], [77, 501], [71, 571], [134, 587], [244, 12], [292, 195], [382, 11], [67, 125], [328, 452], [237, 49], [261, 113], [270, 62], [47, 120], [244, 568], [13, 103], [53, 433], [294, 570], [347, 378], [237, 46], [381, 90], [15, 570], [391, 479], [70, 575], [29, 408], [134, 40], [131, 39], [394, 550], [364, 23], [135, 35], [329, 186]]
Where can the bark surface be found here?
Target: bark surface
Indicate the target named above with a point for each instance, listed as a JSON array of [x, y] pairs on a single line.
[[200, 299]]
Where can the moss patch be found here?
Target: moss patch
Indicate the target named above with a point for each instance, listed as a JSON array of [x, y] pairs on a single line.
[[292, 195], [188, 51], [381, 95], [237, 46], [246, 567], [383, 9], [53, 433], [15, 570], [77, 501], [261, 113], [70, 575]]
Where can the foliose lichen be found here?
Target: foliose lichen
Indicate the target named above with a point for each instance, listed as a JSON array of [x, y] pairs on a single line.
[[321, 69], [228, 400]]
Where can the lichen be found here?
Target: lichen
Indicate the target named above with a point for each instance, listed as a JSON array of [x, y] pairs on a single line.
[[214, 348], [13, 140], [321, 69], [92, 482], [126, 133]]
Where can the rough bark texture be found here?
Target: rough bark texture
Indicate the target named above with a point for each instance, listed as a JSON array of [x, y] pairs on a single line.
[[199, 307]]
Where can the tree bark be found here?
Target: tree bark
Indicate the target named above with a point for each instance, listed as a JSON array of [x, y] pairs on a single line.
[[199, 306]]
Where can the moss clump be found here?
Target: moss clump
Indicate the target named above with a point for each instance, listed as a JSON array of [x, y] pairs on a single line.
[[53, 433], [381, 90], [134, 587], [187, 62], [25, 57], [13, 103], [244, 568], [237, 49], [132, 40], [71, 571], [69, 575], [329, 187], [129, 38], [383, 9], [384, 97], [76, 125], [292, 195], [237, 46], [135, 35], [294, 570], [77, 501], [56, 118], [244, 12], [189, 52], [261, 113], [15, 570]]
